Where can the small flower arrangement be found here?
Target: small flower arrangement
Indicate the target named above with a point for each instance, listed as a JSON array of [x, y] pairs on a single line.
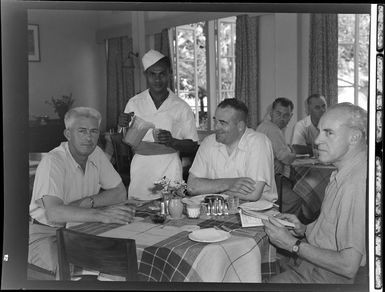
[[61, 105], [177, 189]]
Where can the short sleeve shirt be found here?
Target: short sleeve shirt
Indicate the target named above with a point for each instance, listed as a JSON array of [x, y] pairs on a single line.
[[174, 115], [280, 148], [59, 175], [252, 158], [341, 223], [304, 132]]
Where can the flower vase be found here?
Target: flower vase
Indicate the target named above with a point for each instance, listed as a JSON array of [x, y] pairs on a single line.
[[175, 208]]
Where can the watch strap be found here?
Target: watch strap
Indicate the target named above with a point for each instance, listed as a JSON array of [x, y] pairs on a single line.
[[92, 202]]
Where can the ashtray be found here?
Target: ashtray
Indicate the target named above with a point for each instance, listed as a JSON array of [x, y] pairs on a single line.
[[158, 218]]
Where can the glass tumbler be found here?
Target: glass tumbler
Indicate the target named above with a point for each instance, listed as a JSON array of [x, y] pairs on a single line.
[[233, 202]]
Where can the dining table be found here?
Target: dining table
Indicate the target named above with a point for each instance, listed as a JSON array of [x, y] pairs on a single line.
[[166, 252], [309, 179]]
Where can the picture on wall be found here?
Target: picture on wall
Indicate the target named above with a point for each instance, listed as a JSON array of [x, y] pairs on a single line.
[[33, 43]]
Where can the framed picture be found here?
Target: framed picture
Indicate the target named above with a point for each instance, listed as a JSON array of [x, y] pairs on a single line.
[[33, 43]]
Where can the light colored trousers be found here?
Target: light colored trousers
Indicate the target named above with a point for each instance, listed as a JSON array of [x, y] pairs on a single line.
[[42, 250]]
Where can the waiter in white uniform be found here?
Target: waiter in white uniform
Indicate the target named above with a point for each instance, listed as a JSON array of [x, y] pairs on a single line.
[[175, 121]]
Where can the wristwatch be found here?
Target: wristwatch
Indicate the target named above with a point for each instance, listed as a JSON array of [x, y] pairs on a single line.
[[92, 202], [295, 248]]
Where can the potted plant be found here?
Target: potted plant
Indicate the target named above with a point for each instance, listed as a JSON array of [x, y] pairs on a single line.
[[172, 191], [61, 105]]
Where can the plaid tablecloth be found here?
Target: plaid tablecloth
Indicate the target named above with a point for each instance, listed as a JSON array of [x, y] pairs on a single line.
[[309, 182], [165, 252]]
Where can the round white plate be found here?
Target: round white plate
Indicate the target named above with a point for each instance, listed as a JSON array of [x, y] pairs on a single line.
[[258, 205], [200, 198], [209, 235]]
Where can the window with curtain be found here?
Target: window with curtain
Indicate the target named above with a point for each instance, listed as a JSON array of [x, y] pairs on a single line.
[[353, 60], [190, 64], [226, 37]]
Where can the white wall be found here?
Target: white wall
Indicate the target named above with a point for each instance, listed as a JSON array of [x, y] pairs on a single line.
[[283, 62], [71, 61]]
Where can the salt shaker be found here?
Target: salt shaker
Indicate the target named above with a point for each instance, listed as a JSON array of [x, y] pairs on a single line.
[[226, 208], [215, 211], [208, 213], [220, 207]]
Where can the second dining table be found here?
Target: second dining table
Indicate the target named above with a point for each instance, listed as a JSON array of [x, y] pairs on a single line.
[[309, 178], [166, 253]]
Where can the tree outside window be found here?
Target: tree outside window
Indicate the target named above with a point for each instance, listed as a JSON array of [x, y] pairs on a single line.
[[353, 61], [190, 65]]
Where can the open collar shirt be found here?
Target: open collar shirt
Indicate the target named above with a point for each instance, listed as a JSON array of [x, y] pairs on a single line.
[[253, 157], [304, 132], [341, 223], [280, 148], [174, 115], [59, 175]]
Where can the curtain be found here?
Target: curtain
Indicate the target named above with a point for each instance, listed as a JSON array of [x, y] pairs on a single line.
[[324, 56], [120, 78], [162, 44], [246, 60]]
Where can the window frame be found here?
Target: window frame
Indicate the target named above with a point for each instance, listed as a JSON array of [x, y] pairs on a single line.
[[356, 72], [214, 89]]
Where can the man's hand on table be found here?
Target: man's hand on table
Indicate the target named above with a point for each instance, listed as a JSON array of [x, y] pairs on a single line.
[[240, 185], [120, 214]]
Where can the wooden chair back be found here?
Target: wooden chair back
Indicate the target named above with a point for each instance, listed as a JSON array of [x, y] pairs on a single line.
[[279, 183], [113, 256], [37, 273]]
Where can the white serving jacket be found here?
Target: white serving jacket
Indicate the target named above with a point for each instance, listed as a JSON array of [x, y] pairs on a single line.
[[174, 115]]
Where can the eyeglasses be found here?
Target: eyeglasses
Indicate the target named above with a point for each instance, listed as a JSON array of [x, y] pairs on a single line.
[[84, 132]]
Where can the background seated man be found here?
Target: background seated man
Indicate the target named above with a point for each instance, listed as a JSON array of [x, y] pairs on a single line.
[[306, 131], [334, 246], [280, 115], [236, 160], [75, 182]]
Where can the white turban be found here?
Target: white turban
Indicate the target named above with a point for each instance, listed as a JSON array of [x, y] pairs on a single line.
[[150, 58]]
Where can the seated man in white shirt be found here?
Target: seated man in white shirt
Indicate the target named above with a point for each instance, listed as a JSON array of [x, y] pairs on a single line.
[[280, 115], [236, 160], [74, 182], [306, 131]]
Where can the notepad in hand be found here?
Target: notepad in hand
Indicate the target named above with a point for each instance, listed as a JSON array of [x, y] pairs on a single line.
[[252, 218]]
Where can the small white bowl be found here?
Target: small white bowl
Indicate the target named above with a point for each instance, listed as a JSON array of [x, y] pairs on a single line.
[[193, 211]]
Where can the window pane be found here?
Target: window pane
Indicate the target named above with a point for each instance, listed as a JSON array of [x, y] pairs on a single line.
[[226, 39], [346, 94], [345, 65], [363, 66], [186, 76], [364, 28], [346, 28], [363, 97], [185, 40]]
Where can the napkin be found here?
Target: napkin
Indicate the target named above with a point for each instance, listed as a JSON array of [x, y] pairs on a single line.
[[251, 218]]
